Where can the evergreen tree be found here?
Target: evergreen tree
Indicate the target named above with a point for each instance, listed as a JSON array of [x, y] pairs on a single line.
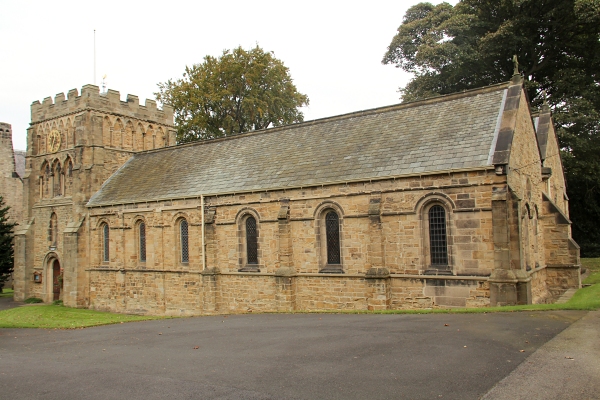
[[6, 244]]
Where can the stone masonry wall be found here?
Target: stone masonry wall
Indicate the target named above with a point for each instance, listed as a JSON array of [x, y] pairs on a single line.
[[392, 239]]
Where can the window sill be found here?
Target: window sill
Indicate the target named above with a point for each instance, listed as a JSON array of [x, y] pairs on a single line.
[[332, 269], [438, 270], [250, 268]]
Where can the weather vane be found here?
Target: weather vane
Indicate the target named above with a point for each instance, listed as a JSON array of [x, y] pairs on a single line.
[[104, 84]]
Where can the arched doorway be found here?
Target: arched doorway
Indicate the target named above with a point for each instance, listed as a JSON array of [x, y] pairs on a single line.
[[56, 280]]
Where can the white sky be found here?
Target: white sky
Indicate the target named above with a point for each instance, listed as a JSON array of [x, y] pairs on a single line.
[[332, 48]]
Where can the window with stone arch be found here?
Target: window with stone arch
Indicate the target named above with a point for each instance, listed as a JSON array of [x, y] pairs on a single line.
[[437, 254], [68, 177], [329, 238], [141, 239], [105, 242], [248, 234], [45, 181], [56, 179], [438, 236], [53, 230], [184, 245]]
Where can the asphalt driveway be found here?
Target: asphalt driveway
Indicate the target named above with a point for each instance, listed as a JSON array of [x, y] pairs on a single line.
[[273, 356]]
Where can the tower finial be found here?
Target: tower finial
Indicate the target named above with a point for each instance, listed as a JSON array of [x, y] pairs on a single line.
[[103, 85], [516, 64], [545, 105]]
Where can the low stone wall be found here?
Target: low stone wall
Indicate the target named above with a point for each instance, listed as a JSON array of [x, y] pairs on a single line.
[[539, 289], [192, 293], [561, 278]]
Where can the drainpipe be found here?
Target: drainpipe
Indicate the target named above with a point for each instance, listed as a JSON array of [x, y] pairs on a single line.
[[203, 242]]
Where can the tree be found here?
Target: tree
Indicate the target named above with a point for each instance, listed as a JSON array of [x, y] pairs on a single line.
[[6, 244], [238, 92], [450, 49]]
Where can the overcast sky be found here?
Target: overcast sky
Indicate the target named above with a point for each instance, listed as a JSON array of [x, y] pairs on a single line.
[[332, 48]]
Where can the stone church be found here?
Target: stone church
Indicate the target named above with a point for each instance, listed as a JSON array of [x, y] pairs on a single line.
[[454, 201]]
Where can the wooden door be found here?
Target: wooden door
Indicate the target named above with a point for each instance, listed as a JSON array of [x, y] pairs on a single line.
[[55, 280]]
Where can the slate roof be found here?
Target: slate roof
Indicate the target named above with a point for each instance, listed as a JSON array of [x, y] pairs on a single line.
[[450, 132], [20, 162]]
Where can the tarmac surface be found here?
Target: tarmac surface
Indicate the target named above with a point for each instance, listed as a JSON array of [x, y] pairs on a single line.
[[309, 356]]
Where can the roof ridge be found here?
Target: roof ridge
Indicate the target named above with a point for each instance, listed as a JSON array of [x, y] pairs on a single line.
[[353, 114]]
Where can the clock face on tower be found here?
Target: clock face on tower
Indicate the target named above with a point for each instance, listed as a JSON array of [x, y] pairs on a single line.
[[53, 141]]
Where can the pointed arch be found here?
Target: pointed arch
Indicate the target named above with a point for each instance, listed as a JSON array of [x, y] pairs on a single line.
[[117, 134], [45, 180], [68, 176], [43, 139], [70, 134], [160, 138], [138, 144], [149, 138], [38, 141], [128, 136], [63, 134], [106, 131], [57, 180]]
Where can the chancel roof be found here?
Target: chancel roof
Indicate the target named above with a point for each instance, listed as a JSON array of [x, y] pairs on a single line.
[[440, 134]]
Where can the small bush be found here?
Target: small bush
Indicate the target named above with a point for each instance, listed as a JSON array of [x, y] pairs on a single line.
[[57, 303], [33, 300]]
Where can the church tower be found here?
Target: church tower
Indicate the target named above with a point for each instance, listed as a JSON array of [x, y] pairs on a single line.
[[73, 145]]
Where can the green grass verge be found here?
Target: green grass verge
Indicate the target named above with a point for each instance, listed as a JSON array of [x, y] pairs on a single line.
[[593, 264], [586, 299], [60, 317], [7, 292]]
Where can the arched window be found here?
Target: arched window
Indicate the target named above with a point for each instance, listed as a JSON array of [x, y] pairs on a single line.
[[53, 230], [46, 182], [184, 241], [68, 177], [56, 180], [332, 233], [251, 241], [105, 243], [438, 238], [142, 239]]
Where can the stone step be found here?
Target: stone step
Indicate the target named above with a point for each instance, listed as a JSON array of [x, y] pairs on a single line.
[[566, 296]]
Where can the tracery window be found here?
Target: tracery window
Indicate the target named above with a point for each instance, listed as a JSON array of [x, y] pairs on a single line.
[[438, 238], [184, 241], [68, 178], [105, 243], [142, 241], [251, 241], [56, 180]]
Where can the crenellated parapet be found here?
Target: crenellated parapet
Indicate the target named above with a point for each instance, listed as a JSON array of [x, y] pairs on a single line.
[[91, 99]]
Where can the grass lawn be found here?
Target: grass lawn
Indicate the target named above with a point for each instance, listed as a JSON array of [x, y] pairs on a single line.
[[60, 317], [7, 292], [593, 264]]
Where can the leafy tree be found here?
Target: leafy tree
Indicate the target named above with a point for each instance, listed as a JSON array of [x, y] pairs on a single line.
[[238, 92], [6, 244], [450, 49]]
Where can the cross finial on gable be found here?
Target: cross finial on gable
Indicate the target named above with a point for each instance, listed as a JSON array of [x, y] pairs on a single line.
[[516, 64]]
